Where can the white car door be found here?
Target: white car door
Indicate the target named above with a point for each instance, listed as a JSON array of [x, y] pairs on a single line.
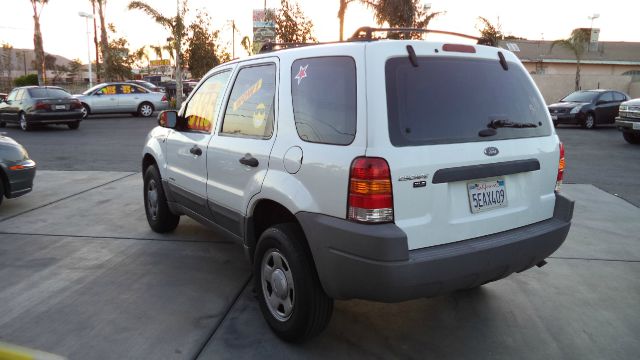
[[238, 155], [187, 144]]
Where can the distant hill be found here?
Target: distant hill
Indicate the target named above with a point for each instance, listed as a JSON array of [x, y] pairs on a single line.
[[20, 56]]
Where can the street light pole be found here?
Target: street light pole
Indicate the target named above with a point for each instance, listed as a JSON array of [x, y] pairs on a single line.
[[88, 16]]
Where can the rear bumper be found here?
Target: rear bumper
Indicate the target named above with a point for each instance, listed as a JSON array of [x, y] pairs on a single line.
[[20, 181], [373, 262], [54, 117]]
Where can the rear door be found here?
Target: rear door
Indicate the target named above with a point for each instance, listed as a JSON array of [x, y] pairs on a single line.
[[453, 176], [238, 156], [128, 97]]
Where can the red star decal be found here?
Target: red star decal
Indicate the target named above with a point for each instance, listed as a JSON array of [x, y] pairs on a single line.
[[302, 73]]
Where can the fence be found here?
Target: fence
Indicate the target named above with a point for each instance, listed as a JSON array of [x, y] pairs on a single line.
[[75, 87], [555, 87]]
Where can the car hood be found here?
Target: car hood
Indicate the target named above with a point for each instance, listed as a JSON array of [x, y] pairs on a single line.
[[7, 141], [566, 105], [635, 102]]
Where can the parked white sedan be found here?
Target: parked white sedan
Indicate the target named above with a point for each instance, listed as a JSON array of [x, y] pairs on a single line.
[[113, 98]]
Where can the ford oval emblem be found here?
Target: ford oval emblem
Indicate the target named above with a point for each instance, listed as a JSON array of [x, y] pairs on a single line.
[[491, 151]]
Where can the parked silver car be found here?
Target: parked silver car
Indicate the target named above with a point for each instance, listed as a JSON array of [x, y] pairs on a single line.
[[110, 98]]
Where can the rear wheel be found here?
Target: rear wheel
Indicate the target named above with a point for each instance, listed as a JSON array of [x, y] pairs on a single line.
[[74, 125], [1, 190], [290, 295], [589, 121], [145, 109], [631, 138], [24, 124], [160, 218], [2, 124], [555, 123]]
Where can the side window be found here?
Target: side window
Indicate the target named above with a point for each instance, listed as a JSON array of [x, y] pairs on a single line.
[[107, 90], [20, 95], [250, 110], [202, 110], [323, 91], [12, 95], [125, 89], [138, 90], [606, 97], [619, 96]]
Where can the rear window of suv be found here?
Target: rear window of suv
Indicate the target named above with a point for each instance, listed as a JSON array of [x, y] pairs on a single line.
[[449, 100]]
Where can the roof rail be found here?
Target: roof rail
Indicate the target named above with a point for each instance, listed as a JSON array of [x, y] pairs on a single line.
[[273, 46], [365, 33]]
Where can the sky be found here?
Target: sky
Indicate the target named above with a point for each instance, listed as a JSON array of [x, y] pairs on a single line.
[[64, 32]]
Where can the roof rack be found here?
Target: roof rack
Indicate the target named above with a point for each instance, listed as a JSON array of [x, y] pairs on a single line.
[[273, 46], [365, 33]]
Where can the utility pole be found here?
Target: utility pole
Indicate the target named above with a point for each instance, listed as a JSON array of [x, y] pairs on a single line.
[[178, 40], [24, 57], [88, 16], [233, 38]]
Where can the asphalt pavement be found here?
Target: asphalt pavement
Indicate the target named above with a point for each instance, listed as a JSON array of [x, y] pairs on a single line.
[[83, 276]]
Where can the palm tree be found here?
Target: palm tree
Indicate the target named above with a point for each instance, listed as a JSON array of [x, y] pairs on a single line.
[[341, 11], [95, 39], [103, 39], [37, 40], [176, 26], [576, 43], [246, 44]]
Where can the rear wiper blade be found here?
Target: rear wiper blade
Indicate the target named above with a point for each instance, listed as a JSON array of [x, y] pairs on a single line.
[[501, 123]]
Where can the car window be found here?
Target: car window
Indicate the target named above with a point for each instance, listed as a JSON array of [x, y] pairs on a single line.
[[130, 89], [202, 110], [250, 110], [607, 96], [20, 95], [12, 95], [448, 100], [43, 93], [323, 92], [619, 96], [108, 90], [580, 96]]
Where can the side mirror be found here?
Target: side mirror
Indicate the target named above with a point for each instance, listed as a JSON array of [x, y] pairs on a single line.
[[168, 119]]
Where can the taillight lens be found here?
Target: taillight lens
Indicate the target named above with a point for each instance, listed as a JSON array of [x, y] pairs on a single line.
[[370, 193], [76, 104], [39, 105], [561, 165]]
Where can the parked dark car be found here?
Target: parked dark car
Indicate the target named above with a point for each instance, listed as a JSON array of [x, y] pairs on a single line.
[[17, 170], [40, 105], [587, 108], [628, 121], [147, 85]]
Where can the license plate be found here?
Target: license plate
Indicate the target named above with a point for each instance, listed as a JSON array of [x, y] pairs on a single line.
[[487, 195], [554, 117], [636, 126], [60, 107]]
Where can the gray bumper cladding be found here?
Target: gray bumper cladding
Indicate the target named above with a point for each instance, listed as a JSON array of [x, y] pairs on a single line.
[[373, 262]]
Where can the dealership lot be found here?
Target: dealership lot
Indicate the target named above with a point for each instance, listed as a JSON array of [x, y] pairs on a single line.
[[83, 276]]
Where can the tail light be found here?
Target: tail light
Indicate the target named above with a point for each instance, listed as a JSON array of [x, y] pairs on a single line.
[[164, 98], [370, 194], [561, 165], [39, 105], [76, 104]]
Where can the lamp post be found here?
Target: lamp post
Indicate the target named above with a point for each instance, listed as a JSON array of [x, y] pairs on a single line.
[[88, 16], [593, 17]]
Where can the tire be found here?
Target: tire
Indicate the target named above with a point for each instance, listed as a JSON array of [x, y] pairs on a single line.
[[291, 298], [74, 125], [589, 122], [160, 218], [85, 111], [1, 190], [23, 123], [145, 109], [555, 123], [3, 124], [632, 138]]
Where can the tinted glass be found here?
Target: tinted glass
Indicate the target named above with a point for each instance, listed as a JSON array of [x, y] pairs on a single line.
[[91, 90], [203, 108], [130, 89], [12, 95], [108, 90], [619, 96], [250, 110], [608, 96], [449, 100], [323, 91], [42, 93], [581, 96]]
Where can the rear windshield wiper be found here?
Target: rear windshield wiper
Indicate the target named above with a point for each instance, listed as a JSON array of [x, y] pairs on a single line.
[[501, 123]]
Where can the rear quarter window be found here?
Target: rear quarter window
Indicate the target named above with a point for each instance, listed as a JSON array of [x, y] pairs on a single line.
[[323, 92], [449, 100]]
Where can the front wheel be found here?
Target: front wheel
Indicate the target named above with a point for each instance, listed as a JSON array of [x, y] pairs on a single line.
[[290, 295], [589, 122], [24, 124], [159, 217], [145, 109], [2, 124], [631, 138], [74, 125], [85, 111]]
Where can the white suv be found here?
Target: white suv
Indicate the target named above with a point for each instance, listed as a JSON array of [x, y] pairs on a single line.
[[383, 170]]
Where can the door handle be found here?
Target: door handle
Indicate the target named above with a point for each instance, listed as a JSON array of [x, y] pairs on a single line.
[[249, 160], [195, 150]]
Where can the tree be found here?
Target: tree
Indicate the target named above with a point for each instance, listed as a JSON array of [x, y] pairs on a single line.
[[50, 62], [177, 29], [140, 56], [104, 39], [120, 58], [59, 71], [75, 67], [292, 26], [403, 13], [95, 39], [577, 43], [246, 45], [489, 34], [341, 12], [6, 59], [203, 51], [37, 39]]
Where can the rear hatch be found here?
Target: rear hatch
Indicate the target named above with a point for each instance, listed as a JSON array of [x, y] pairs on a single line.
[[457, 171]]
